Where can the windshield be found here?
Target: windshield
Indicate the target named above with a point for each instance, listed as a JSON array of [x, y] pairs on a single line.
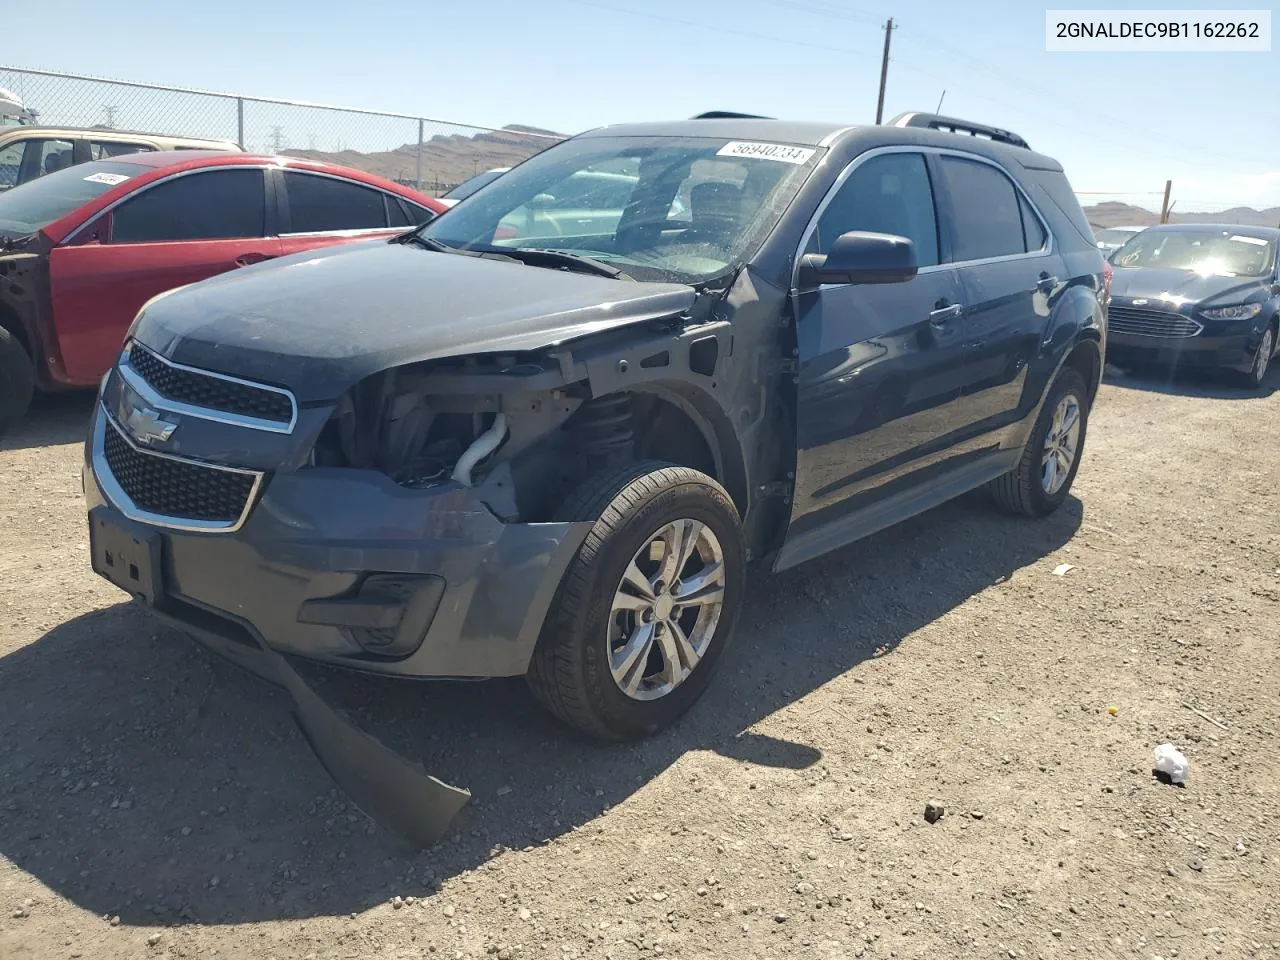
[[37, 203], [467, 187], [680, 209], [1207, 252]]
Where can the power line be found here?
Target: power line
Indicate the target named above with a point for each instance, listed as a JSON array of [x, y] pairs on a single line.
[[719, 29]]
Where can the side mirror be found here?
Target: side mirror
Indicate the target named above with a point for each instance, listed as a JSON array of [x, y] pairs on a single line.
[[861, 257], [541, 201]]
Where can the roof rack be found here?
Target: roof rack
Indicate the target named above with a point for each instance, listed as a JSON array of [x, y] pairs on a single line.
[[951, 125], [729, 115]]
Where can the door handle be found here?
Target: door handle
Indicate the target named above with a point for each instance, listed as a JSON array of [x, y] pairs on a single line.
[[247, 259], [943, 313]]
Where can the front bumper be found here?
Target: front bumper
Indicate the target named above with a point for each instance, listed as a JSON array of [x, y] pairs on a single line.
[[1220, 347], [346, 567]]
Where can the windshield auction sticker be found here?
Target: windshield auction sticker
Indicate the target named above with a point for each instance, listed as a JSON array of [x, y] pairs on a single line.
[[111, 179], [1158, 31], [765, 151]]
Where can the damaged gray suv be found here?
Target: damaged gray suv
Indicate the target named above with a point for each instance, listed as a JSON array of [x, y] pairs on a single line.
[[545, 435]]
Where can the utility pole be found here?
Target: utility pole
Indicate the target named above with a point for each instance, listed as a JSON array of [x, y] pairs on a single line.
[[111, 109], [1164, 207], [277, 139], [884, 70]]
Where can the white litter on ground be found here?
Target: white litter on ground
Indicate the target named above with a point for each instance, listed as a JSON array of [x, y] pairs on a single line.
[[1170, 761]]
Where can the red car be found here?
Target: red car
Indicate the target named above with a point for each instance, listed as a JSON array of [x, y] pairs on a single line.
[[82, 249]]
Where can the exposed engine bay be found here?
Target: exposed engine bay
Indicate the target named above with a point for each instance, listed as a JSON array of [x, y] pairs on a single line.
[[513, 426]]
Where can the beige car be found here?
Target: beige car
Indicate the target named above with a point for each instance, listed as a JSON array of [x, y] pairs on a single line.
[[30, 152]]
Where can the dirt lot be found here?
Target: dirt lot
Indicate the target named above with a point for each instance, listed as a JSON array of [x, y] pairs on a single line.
[[155, 802]]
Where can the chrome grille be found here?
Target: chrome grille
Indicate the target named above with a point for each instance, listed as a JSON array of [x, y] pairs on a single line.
[[171, 491], [210, 391], [1146, 322]]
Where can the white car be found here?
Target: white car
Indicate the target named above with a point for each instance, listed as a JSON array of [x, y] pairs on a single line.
[[11, 109]]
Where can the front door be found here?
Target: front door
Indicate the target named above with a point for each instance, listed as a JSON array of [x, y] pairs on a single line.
[[169, 234], [881, 365]]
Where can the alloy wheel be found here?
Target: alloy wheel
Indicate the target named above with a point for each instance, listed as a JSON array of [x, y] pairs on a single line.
[[665, 609], [1061, 444]]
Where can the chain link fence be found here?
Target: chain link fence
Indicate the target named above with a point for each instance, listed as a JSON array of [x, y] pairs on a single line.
[[433, 155]]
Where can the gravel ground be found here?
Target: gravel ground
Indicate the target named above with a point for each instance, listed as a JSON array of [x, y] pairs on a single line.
[[156, 802]]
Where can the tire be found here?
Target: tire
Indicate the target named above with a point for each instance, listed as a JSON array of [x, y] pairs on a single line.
[[1023, 489], [17, 380], [572, 669], [1257, 374]]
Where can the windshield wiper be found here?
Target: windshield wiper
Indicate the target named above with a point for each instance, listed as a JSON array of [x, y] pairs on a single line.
[[541, 257], [431, 243], [13, 243], [419, 240]]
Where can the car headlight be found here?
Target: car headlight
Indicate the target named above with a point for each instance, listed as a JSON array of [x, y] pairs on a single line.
[[1242, 311]]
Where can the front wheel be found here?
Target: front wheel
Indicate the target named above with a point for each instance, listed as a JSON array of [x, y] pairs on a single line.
[[1257, 374], [1042, 479], [17, 380], [647, 606]]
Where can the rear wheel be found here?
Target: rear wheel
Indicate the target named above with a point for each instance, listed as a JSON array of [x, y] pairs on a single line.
[[648, 605], [17, 380], [1042, 479]]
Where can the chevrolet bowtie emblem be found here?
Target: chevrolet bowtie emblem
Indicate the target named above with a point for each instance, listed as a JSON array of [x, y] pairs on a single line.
[[147, 426]]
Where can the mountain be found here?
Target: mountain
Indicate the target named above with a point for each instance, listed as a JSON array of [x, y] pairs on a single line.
[[1112, 214], [447, 160]]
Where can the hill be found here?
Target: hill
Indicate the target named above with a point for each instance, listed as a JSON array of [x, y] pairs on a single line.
[[1112, 214], [447, 160]]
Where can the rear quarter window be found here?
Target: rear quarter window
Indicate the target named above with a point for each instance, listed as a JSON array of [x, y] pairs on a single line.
[[1055, 185]]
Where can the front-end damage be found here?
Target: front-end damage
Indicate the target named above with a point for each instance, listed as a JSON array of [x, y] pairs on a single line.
[[412, 527]]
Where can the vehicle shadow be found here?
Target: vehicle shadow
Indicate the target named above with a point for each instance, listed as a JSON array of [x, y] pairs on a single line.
[[54, 418], [144, 778], [1204, 384]]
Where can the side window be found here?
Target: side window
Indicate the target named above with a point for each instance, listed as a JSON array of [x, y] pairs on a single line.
[[323, 204], [396, 216], [1032, 228], [215, 205], [105, 149], [988, 219], [10, 163], [890, 193], [49, 156]]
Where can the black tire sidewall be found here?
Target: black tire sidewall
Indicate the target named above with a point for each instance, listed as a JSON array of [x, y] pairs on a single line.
[[1254, 379], [1068, 381], [17, 380], [628, 718]]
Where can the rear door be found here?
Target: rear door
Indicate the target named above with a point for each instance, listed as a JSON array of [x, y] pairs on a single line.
[[168, 234], [880, 364], [318, 210], [1009, 273]]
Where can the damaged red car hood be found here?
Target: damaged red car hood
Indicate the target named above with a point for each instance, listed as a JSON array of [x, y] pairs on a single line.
[[318, 322]]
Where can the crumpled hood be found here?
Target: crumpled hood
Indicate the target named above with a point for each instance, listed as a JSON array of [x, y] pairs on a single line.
[[318, 322], [1183, 286]]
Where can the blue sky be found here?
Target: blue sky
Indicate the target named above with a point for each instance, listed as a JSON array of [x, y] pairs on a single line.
[[1120, 123]]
